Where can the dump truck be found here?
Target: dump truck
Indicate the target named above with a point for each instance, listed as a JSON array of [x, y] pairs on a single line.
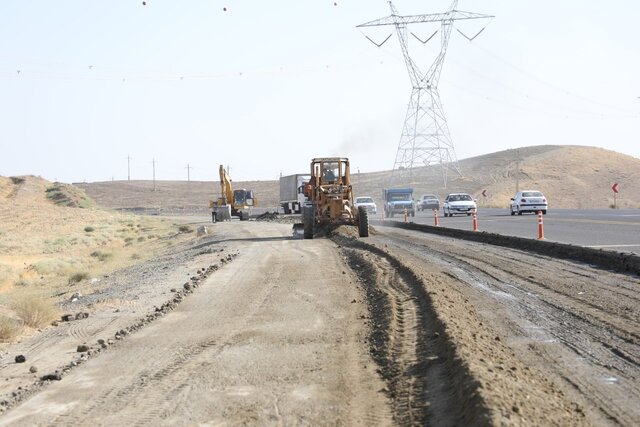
[[231, 202], [331, 198], [292, 197], [396, 200]]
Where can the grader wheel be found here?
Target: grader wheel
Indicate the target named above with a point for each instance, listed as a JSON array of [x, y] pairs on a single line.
[[363, 221], [308, 219]]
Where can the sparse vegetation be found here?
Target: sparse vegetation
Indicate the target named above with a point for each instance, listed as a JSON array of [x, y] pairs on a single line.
[[10, 329], [17, 180], [78, 277], [35, 311], [135, 256], [68, 195], [22, 283], [141, 239], [102, 256], [89, 229], [128, 239], [184, 229], [52, 266]]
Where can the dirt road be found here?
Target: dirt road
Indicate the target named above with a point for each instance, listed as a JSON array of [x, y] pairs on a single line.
[[401, 328], [271, 338]]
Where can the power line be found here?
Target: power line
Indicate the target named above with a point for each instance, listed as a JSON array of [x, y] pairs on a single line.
[[425, 137]]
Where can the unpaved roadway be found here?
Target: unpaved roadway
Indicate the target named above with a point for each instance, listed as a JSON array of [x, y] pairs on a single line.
[[401, 328]]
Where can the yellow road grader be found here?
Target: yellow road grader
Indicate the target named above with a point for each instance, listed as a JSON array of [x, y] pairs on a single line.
[[331, 198]]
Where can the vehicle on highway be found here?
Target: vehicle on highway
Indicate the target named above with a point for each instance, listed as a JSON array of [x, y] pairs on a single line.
[[528, 201], [458, 203], [398, 201], [428, 201], [367, 202]]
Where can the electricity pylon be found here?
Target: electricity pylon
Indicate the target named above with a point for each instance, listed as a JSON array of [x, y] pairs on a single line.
[[425, 138]]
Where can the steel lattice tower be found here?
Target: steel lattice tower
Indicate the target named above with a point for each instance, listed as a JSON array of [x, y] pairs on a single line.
[[425, 138]]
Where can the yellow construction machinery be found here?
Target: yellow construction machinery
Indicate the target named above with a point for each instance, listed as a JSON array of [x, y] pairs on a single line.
[[231, 202], [331, 198]]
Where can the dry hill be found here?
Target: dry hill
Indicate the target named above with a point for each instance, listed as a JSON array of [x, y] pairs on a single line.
[[570, 176], [53, 242]]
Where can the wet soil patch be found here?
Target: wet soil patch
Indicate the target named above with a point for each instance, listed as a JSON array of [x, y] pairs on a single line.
[[609, 260]]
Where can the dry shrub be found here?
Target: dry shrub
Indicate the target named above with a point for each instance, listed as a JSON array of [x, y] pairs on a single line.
[[102, 256], [184, 229], [78, 277], [35, 311], [9, 329]]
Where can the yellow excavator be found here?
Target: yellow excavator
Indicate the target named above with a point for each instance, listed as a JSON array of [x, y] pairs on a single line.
[[231, 202]]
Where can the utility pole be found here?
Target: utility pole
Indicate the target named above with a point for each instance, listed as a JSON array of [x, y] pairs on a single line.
[[188, 168], [154, 173], [128, 168], [425, 139]]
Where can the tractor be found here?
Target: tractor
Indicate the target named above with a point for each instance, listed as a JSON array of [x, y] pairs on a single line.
[[331, 198]]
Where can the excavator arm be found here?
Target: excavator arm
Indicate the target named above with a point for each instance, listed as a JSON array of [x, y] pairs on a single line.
[[226, 191]]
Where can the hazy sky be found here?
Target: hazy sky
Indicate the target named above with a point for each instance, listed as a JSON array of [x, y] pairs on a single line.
[[264, 86]]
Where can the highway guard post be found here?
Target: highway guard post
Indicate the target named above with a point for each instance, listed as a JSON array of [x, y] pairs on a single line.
[[540, 226]]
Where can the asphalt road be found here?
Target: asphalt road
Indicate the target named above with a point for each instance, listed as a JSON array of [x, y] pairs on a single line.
[[617, 230]]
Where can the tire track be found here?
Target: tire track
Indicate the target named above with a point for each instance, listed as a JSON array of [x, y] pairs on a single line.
[[426, 381]]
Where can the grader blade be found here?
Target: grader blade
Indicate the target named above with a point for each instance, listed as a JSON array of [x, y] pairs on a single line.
[[298, 229]]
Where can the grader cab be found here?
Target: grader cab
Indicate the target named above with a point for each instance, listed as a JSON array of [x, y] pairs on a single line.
[[331, 198]]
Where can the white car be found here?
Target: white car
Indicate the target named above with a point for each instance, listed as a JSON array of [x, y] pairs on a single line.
[[428, 201], [528, 201], [367, 202], [459, 203]]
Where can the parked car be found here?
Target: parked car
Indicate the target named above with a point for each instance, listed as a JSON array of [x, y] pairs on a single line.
[[428, 201], [458, 203], [528, 201], [367, 202]]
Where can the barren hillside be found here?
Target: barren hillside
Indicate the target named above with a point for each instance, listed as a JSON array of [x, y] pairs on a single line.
[[570, 177], [50, 233]]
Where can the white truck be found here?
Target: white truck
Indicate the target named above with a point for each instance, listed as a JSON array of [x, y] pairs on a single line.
[[292, 198]]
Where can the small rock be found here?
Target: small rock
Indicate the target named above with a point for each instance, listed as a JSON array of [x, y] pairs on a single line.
[[174, 290], [100, 341], [67, 317], [497, 338], [52, 377], [33, 369], [82, 315], [20, 358], [55, 323], [187, 286], [353, 301], [82, 348], [515, 409], [436, 334]]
